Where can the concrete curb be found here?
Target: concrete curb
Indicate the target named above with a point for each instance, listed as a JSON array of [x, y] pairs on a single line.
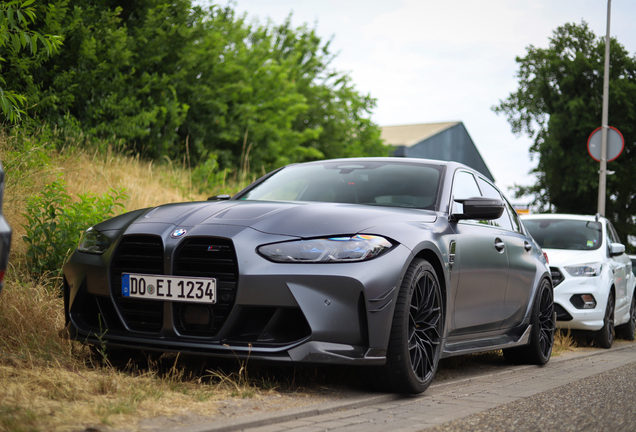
[[275, 417]]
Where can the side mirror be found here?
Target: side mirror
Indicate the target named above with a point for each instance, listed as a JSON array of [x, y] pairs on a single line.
[[479, 208], [617, 249], [222, 197]]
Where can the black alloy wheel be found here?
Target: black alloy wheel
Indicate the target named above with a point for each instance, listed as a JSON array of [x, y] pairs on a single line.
[[539, 349], [416, 334], [628, 330], [424, 327], [547, 322], [605, 336]]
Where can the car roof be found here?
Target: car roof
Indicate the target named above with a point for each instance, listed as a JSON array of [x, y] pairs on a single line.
[[394, 160], [561, 216]]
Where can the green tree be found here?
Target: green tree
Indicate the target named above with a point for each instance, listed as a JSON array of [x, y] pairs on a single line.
[[339, 112], [558, 104], [243, 100], [106, 81], [173, 80], [262, 96], [22, 48]]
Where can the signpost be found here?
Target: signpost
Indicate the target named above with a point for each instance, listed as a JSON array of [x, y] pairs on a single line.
[[603, 156]]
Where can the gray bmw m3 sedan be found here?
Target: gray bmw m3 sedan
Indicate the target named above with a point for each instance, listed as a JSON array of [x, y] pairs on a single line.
[[388, 264]]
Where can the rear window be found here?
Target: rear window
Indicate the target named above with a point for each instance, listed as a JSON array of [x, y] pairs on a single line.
[[565, 233]]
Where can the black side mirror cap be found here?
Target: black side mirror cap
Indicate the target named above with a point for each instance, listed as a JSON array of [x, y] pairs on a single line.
[[222, 197], [479, 208]]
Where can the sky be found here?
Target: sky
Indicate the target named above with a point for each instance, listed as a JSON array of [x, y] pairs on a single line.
[[435, 61]]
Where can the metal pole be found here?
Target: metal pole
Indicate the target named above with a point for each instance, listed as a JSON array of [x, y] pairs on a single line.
[[602, 184]]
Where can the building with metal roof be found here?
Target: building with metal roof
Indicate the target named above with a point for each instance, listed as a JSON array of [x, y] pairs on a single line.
[[447, 141]]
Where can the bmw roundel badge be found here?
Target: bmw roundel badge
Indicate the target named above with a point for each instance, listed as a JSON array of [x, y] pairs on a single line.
[[178, 233]]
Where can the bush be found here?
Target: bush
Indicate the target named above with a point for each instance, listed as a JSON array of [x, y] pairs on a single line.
[[55, 223], [206, 176]]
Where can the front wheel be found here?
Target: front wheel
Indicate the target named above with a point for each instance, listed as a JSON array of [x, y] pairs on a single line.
[[416, 333], [628, 330], [539, 350], [605, 336]]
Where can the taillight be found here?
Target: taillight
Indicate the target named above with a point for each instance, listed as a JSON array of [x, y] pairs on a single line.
[[546, 257]]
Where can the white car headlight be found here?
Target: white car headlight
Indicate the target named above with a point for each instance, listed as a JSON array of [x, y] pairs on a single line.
[[93, 242], [324, 250], [590, 269]]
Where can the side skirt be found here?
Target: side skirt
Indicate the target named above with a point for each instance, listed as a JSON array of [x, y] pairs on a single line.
[[487, 344]]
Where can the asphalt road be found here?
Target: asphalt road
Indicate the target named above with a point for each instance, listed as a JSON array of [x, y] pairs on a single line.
[[603, 402], [590, 391]]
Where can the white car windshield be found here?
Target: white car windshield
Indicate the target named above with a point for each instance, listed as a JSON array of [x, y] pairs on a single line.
[[565, 233]]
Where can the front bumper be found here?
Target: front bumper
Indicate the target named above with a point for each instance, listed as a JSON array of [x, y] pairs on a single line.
[[571, 317], [298, 313]]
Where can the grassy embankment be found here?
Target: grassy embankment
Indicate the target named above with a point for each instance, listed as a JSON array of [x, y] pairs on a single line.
[[49, 383]]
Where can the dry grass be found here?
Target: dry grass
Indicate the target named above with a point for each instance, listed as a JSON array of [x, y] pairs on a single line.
[[563, 342]]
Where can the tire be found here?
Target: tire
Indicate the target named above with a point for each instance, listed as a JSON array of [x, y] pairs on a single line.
[[605, 336], [539, 350], [628, 330], [416, 334]]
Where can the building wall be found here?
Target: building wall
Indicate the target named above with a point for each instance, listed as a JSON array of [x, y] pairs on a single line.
[[452, 144]]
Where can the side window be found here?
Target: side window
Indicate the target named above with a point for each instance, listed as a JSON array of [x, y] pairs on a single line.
[[464, 186], [487, 189], [611, 233], [611, 236], [516, 222], [490, 191]]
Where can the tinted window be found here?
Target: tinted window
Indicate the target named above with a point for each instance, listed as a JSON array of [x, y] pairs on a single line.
[[514, 217], [464, 186], [565, 233], [490, 191], [358, 182]]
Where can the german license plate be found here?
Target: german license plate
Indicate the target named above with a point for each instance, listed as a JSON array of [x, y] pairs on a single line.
[[175, 288]]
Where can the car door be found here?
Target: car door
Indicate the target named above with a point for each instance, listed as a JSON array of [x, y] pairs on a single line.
[[620, 272], [521, 265], [481, 265]]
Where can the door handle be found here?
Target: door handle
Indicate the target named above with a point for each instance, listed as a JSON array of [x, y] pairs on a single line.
[[527, 246], [499, 245]]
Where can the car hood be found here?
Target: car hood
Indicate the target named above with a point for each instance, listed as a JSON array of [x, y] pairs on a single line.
[[298, 219], [564, 257]]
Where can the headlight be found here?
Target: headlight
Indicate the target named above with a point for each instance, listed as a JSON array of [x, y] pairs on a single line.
[[93, 242], [324, 250], [591, 269]]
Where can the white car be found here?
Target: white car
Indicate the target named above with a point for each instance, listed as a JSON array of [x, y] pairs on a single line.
[[591, 273]]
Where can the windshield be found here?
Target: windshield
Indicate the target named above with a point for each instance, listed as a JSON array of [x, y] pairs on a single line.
[[565, 233], [358, 182]]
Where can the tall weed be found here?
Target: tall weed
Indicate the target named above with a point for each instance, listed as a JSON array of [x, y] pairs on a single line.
[[55, 223]]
